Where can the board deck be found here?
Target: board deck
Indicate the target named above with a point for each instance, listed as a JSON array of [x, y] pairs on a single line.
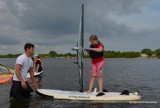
[[75, 95], [5, 74], [5, 78]]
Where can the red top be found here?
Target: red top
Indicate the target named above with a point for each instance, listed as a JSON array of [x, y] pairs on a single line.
[[96, 60]]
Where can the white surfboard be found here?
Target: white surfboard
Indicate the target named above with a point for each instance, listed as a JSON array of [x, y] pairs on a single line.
[[75, 95], [35, 74]]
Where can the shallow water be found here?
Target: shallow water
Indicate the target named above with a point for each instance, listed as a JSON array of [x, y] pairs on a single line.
[[119, 74]]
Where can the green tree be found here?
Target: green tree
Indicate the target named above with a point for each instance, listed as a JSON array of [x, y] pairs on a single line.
[[147, 51], [52, 52], [157, 52]]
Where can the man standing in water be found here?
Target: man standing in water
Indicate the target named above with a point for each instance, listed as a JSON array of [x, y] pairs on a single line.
[[20, 88]]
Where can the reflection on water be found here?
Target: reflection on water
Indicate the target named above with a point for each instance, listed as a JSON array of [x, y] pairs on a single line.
[[20, 104], [27, 102], [119, 74]]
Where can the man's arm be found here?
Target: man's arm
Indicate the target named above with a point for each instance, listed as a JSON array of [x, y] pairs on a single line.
[[18, 74]]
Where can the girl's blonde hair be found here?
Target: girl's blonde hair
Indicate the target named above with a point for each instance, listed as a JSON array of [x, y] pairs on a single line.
[[94, 38]]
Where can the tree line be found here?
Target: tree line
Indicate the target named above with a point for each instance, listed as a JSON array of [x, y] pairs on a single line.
[[107, 54]]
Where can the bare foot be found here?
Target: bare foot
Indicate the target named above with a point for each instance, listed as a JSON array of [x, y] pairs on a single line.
[[89, 91]]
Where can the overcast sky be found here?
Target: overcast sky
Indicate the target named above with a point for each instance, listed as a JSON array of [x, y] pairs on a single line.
[[121, 25]]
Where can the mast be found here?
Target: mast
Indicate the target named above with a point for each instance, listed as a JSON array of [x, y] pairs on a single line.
[[81, 47]]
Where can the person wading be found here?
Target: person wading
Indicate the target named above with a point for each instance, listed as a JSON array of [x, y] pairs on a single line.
[[37, 63], [20, 88]]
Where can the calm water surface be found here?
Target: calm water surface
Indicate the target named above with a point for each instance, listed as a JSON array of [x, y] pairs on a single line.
[[119, 74]]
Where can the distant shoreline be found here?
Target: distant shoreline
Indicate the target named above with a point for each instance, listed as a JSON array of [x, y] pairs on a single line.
[[106, 55], [145, 53]]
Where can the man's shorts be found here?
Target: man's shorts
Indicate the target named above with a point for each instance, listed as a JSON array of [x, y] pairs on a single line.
[[18, 92]]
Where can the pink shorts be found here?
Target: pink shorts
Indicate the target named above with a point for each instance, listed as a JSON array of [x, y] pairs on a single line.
[[97, 69]]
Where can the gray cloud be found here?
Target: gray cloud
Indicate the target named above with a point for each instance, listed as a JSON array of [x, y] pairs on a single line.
[[49, 16], [54, 23], [5, 40], [61, 17]]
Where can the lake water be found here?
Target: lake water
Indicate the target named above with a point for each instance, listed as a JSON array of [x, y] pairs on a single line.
[[119, 74]]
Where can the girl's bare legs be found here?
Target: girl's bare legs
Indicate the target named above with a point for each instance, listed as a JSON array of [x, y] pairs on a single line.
[[100, 83], [92, 78], [100, 76]]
